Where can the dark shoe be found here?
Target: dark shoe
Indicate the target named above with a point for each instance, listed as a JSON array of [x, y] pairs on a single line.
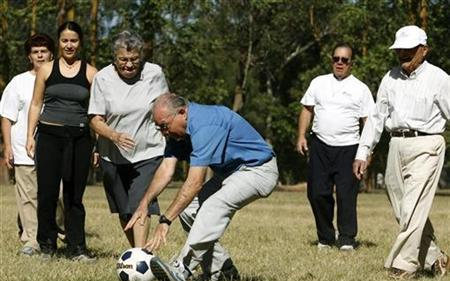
[[441, 266], [83, 258], [165, 272], [400, 274], [81, 254], [46, 253]]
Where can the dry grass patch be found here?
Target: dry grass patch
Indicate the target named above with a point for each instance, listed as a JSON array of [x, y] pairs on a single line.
[[271, 239]]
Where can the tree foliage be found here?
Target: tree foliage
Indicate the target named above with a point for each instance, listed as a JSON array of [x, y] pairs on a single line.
[[255, 56]]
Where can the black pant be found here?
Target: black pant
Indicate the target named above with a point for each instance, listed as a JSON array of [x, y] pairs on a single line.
[[62, 153], [332, 166]]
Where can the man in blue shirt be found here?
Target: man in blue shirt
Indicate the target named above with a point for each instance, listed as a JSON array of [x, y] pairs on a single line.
[[244, 168]]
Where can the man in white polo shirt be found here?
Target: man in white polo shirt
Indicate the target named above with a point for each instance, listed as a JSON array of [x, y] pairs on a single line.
[[413, 104], [338, 104]]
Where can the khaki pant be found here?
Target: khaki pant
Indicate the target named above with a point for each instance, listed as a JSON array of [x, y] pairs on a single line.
[[26, 199], [412, 174]]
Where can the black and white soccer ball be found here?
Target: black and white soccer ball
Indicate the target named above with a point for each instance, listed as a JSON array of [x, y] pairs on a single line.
[[134, 265]]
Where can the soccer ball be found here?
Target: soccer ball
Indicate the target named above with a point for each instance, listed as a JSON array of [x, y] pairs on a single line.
[[134, 265]]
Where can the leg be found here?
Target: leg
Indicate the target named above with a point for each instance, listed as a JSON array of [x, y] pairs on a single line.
[[48, 170], [73, 191], [137, 177], [422, 159], [26, 194], [239, 189], [320, 191], [346, 195], [216, 260], [60, 215]]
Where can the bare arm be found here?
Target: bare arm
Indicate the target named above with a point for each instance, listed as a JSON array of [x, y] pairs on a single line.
[[122, 140], [304, 120], [185, 195], [161, 179], [190, 188], [7, 153], [36, 105]]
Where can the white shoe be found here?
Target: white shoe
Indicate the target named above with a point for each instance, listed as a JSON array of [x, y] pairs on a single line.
[[165, 272], [347, 248], [321, 246]]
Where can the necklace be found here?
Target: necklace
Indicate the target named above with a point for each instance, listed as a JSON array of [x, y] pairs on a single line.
[[69, 66]]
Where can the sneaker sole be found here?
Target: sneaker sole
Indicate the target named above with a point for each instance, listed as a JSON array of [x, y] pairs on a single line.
[[160, 271]]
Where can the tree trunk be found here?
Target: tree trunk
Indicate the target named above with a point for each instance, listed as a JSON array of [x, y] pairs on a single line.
[[423, 14], [33, 17], [93, 28], [61, 17], [244, 67], [4, 59]]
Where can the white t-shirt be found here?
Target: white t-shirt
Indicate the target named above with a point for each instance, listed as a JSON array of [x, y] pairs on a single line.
[[127, 108], [338, 106], [14, 105]]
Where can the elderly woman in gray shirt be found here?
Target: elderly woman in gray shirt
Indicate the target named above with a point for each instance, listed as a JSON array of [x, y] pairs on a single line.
[[130, 146]]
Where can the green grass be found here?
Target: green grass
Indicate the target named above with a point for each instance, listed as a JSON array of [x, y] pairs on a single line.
[[271, 239]]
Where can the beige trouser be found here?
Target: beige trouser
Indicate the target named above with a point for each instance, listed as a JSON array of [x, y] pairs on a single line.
[[26, 199], [412, 173]]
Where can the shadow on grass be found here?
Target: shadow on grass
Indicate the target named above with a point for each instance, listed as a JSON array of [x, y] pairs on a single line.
[[255, 278], [359, 243]]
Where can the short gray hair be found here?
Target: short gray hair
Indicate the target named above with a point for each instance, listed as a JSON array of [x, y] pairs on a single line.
[[170, 101], [129, 41]]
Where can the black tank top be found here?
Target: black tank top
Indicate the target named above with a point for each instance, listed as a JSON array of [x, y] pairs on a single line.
[[66, 100]]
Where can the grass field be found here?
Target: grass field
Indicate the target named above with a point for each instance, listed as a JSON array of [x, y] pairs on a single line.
[[271, 239]]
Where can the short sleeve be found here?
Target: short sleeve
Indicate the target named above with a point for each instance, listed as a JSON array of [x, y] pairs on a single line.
[[367, 102], [97, 100], [208, 145], [308, 98], [10, 104]]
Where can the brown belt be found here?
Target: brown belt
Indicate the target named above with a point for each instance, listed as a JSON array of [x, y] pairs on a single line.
[[409, 134]]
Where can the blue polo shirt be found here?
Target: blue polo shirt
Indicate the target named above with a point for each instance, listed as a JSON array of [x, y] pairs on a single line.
[[219, 138]]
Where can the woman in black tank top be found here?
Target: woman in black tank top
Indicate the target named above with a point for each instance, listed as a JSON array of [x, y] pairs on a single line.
[[62, 146]]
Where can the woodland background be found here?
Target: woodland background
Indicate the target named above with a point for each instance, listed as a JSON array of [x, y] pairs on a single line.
[[256, 57]]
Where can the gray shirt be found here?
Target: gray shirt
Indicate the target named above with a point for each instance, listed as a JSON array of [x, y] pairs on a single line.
[[127, 108]]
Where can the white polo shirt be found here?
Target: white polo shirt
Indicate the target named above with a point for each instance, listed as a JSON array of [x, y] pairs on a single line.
[[338, 106], [14, 105]]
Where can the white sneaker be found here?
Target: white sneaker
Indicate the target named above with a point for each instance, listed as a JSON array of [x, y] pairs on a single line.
[[321, 246], [347, 248], [165, 272]]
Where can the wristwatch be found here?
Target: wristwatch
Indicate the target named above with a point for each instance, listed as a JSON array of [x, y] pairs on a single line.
[[164, 219]]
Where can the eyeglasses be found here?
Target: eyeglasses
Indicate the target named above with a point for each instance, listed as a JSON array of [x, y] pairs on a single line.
[[124, 60], [344, 60], [165, 126]]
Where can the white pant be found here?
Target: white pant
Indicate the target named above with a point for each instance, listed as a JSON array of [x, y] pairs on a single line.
[[220, 198], [412, 174]]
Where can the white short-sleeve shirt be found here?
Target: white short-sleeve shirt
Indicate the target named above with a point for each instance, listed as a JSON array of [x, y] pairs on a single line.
[[14, 105], [338, 107], [127, 109]]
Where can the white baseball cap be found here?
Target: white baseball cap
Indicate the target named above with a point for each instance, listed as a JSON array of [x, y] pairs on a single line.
[[409, 37]]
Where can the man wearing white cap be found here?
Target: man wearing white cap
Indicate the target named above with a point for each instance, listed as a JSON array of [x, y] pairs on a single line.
[[413, 104]]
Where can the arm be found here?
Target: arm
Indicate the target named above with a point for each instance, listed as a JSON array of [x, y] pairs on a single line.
[[36, 106], [161, 179], [185, 195], [7, 153], [121, 140], [304, 120]]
